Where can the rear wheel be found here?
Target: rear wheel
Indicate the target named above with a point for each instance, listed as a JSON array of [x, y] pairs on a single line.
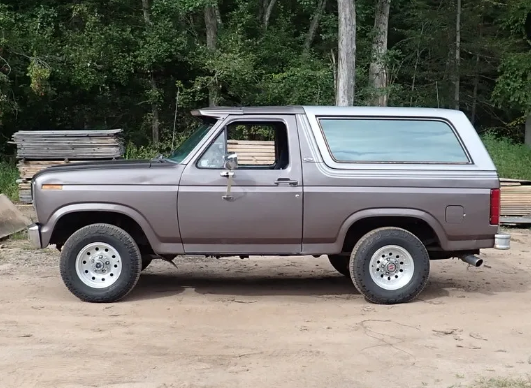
[[389, 266], [340, 264], [100, 263]]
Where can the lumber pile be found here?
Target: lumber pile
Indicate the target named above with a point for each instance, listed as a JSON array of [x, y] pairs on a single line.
[[58, 145], [37, 150], [515, 201], [255, 152]]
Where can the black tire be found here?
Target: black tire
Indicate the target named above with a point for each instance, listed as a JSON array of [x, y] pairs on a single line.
[[146, 261], [360, 265], [340, 264], [121, 242]]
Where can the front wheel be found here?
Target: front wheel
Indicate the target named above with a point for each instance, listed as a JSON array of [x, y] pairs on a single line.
[[100, 263], [389, 266]]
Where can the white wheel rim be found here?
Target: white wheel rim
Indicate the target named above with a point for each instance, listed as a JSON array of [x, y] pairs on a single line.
[[98, 265], [391, 267]]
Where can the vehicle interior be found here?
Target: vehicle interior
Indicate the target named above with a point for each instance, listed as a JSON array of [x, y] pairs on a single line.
[[260, 146]]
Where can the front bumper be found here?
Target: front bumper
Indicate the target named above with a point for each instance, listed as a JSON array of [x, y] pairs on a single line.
[[502, 241], [34, 235]]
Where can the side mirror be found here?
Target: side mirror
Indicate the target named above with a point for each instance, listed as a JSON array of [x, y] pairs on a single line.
[[231, 161]]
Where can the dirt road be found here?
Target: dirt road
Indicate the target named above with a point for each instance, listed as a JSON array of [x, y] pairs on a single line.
[[263, 322]]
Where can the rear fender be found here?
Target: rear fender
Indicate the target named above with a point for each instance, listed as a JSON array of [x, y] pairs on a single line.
[[394, 212]]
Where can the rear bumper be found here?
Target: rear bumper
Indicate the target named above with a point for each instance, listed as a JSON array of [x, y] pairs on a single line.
[[34, 235], [502, 241]]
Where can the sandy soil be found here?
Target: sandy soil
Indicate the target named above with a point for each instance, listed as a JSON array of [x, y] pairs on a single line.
[[263, 322]]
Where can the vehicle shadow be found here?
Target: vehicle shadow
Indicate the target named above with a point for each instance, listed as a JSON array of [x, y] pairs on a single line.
[[294, 280], [155, 285]]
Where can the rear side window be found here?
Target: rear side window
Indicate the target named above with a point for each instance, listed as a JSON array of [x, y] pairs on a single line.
[[392, 141]]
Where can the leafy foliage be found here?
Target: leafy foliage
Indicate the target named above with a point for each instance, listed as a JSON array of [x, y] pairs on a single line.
[[511, 159], [8, 177], [102, 64]]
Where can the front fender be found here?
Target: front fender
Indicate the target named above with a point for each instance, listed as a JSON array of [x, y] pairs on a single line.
[[48, 228]]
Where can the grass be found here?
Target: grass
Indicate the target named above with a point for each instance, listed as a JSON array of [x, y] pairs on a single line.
[[512, 160], [500, 383], [22, 235], [8, 177]]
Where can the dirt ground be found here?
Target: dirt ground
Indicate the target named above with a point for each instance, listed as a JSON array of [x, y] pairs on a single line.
[[263, 322]]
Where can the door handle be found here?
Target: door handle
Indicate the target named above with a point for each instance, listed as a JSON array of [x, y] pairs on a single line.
[[287, 181], [226, 174]]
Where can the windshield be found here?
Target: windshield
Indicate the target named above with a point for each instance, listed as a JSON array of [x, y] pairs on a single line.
[[189, 144]]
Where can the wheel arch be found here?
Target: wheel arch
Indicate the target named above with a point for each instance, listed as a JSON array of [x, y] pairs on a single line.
[[97, 212], [398, 214]]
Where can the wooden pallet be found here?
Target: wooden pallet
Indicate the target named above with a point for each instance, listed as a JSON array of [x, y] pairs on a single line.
[[253, 152], [38, 150], [28, 168], [80, 144], [515, 200]]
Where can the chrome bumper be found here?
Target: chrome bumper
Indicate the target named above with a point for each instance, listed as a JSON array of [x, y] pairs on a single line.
[[34, 235], [502, 241]]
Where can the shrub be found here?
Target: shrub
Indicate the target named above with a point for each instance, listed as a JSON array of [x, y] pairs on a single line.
[[512, 160], [8, 180]]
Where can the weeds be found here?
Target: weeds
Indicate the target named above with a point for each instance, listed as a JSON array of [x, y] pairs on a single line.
[[512, 160], [8, 180], [501, 383]]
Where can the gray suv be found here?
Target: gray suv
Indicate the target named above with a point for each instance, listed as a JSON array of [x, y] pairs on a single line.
[[380, 191]]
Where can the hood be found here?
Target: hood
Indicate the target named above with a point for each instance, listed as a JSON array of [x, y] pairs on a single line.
[[108, 172], [104, 165]]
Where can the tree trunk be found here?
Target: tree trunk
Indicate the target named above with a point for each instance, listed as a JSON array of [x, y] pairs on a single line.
[[334, 69], [417, 60], [267, 12], [457, 54], [476, 82], [211, 24], [313, 26], [377, 70], [155, 123], [475, 91], [218, 15], [146, 10], [155, 130], [346, 53]]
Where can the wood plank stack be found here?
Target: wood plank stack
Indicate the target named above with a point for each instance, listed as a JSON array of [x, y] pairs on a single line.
[[257, 152], [28, 168], [37, 150], [515, 201], [58, 145]]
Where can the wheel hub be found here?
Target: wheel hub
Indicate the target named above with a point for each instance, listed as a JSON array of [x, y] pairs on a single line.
[[391, 267], [98, 265]]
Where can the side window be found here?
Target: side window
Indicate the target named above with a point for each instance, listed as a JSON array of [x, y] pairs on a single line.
[[259, 145], [392, 141]]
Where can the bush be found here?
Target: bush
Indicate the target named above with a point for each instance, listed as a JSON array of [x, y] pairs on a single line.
[[512, 160], [8, 180]]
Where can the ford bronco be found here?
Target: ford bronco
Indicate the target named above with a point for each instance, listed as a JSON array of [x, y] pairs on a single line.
[[380, 191]]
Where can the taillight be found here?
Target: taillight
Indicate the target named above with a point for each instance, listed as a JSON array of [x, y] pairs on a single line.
[[495, 205]]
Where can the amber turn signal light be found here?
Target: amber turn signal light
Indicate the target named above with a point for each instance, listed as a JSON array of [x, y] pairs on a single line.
[[52, 187]]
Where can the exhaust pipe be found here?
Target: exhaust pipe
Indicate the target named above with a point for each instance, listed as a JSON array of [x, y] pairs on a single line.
[[472, 260]]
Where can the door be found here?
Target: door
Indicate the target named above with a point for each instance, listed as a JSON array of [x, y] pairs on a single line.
[[262, 211]]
